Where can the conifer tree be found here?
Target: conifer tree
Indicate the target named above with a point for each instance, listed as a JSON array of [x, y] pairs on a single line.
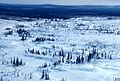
[[43, 75], [14, 61], [1, 79], [82, 59], [20, 62], [110, 57], [17, 62], [47, 76]]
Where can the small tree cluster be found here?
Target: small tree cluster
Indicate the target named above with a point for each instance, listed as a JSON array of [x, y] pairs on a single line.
[[42, 39], [56, 63], [45, 76], [105, 56], [23, 33], [61, 53], [63, 79], [91, 55], [80, 59], [16, 61], [24, 37], [43, 66], [69, 57], [8, 32], [34, 51]]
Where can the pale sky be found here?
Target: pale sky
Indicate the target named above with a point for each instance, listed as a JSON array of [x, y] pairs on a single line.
[[64, 2]]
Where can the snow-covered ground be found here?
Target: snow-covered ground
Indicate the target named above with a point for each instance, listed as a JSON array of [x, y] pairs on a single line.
[[72, 36]]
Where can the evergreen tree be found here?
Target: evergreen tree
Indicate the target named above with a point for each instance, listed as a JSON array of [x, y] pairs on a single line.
[[28, 50], [62, 59], [54, 64], [1, 79], [105, 55], [32, 51], [45, 65], [110, 57], [82, 59], [43, 75], [20, 62], [30, 75], [38, 52], [14, 61], [94, 51], [89, 57], [78, 60], [102, 55], [71, 56], [43, 53], [68, 58], [97, 56], [60, 53], [17, 62], [47, 76], [11, 61]]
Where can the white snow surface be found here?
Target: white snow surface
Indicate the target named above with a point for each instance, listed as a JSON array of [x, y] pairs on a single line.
[[66, 33]]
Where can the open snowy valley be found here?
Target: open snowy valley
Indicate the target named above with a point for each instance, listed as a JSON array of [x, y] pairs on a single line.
[[76, 49]]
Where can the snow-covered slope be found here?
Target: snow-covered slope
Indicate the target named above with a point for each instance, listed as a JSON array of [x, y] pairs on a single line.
[[75, 36]]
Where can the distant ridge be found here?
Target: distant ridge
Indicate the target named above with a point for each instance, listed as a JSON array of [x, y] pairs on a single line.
[[57, 11]]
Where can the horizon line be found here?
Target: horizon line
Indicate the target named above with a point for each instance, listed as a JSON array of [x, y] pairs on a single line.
[[59, 4]]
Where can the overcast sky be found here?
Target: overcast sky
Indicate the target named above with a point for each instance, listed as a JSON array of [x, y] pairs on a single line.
[[64, 2]]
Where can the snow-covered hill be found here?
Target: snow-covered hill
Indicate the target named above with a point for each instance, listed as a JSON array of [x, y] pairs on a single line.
[[76, 49]]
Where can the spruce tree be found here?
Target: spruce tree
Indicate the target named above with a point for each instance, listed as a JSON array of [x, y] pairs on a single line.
[[68, 58], [82, 59], [110, 57], [38, 52], [11, 61], [43, 75], [1, 79], [47, 76], [71, 56], [102, 55], [30, 75], [78, 60], [20, 62], [17, 62], [105, 55], [89, 57], [62, 59], [14, 61]]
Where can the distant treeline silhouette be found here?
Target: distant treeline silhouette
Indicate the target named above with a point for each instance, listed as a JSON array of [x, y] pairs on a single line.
[[57, 11]]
